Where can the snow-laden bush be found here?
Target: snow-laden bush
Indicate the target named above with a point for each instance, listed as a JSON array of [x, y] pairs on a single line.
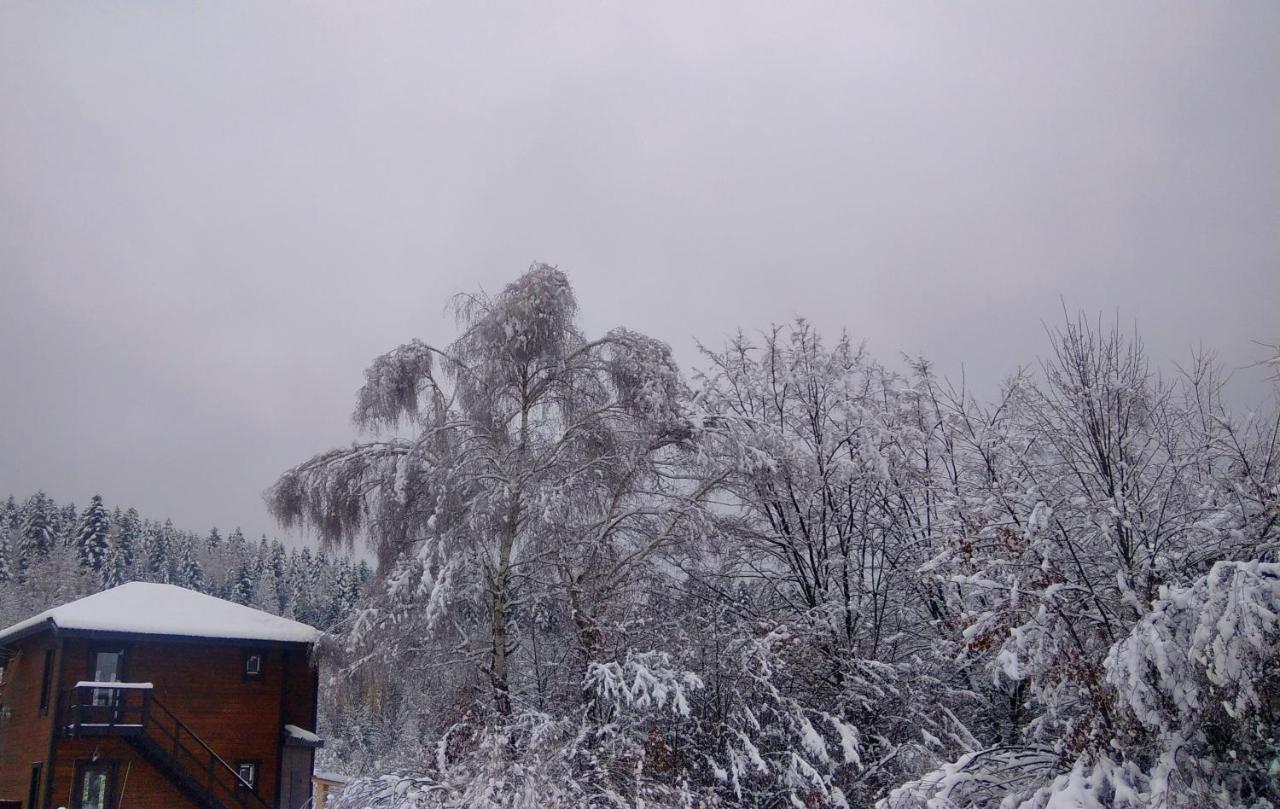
[[778, 745], [1201, 676], [1193, 689], [1021, 778], [648, 736], [535, 761], [620, 751]]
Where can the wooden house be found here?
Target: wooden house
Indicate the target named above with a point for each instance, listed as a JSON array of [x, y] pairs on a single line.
[[150, 696]]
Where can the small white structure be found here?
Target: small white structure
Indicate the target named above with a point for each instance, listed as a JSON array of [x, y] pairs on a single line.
[[326, 785]]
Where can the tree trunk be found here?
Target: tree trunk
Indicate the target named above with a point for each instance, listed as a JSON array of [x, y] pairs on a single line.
[[501, 605], [498, 668]]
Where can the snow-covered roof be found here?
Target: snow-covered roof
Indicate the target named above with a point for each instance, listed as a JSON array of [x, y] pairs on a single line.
[[164, 609], [304, 736]]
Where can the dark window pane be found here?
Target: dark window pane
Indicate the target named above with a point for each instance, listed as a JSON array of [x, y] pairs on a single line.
[[248, 772], [253, 664], [93, 788], [33, 790], [107, 668]]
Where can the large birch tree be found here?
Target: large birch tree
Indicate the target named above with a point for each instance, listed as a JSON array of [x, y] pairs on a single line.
[[521, 461]]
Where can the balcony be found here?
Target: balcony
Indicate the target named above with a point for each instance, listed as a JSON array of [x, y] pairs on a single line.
[[107, 709]]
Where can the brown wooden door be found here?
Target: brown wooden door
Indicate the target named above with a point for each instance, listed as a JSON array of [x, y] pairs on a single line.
[[295, 781]]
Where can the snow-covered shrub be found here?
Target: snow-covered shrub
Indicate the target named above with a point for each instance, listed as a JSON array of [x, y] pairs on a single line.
[[623, 748], [534, 762], [767, 735], [1193, 691], [1027, 778], [1200, 675]]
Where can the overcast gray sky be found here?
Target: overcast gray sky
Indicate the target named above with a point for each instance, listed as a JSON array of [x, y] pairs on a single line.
[[212, 216]]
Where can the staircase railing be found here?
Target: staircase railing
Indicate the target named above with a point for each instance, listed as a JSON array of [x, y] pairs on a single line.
[[131, 710]]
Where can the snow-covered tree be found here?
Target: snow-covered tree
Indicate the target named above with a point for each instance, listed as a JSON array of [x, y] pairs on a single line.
[[277, 566], [38, 537], [92, 536], [189, 573], [119, 567], [1200, 677], [63, 522], [236, 562], [6, 553], [241, 587], [520, 409], [1193, 689], [900, 594]]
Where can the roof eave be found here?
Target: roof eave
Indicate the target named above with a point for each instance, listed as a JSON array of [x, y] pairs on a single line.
[[155, 637], [47, 625]]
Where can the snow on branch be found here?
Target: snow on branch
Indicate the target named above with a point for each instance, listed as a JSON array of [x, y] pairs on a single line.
[[644, 681], [1200, 645], [392, 385]]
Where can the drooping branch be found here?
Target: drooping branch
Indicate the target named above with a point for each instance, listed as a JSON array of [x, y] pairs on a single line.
[[393, 384], [329, 492]]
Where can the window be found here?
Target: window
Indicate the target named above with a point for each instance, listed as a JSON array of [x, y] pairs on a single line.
[[33, 790], [252, 665], [107, 666], [248, 773], [46, 683], [94, 785]]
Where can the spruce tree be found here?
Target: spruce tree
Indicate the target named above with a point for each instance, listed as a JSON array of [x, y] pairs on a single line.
[[8, 528], [159, 541], [6, 570], [64, 524], [37, 528], [344, 592], [265, 595], [236, 556], [351, 586], [10, 517], [276, 573], [242, 584], [124, 544], [190, 574], [91, 537], [262, 557], [295, 586], [108, 573]]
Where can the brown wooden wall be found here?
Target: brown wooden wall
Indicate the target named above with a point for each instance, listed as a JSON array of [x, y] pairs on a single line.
[[24, 736], [300, 698], [142, 786], [204, 686]]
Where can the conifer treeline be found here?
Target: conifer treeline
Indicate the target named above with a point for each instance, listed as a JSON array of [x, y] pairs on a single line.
[[51, 553]]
